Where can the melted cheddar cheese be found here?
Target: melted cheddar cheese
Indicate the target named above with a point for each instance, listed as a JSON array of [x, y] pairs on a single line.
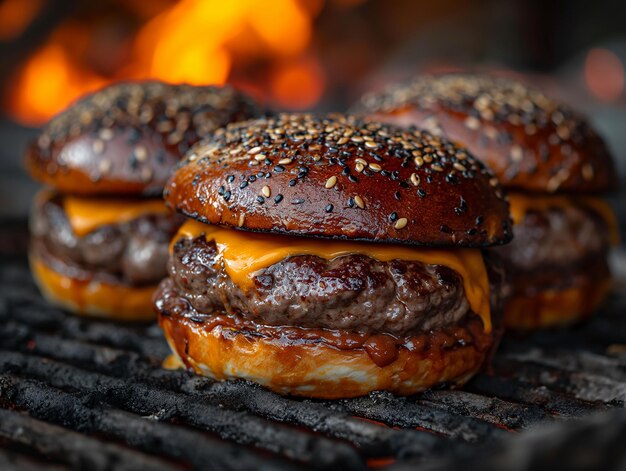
[[87, 214], [245, 253], [521, 204]]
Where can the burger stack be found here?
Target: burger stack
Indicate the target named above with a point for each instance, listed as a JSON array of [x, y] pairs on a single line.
[[324, 256], [100, 231], [555, 168]]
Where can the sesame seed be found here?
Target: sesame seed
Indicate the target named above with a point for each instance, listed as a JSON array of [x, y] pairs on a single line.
[[331, 182], [587, 172], [329, 208], [371, 144], [259, 157], [472, 123], [104, 166], [359, 167], [375, 167], [516, 153], [360, 161], [278, 199], [459, 167], [141, 153], [285, 161], [437, 167], [97, 146], [401, 223], [359, 202], [415, 179], [419, 161], [254, 150], [106, 134], [267, 192], [356, 139], [242, 219]]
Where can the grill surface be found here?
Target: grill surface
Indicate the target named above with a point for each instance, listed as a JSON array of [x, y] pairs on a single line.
[[87, 394]]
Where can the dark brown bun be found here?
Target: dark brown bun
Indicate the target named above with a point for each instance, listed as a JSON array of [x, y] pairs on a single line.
[[531, 142], [556, 308], [127, 138], [309, 367], [90, 296], [336, 176]]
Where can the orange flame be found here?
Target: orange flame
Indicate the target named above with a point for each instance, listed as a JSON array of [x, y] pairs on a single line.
[[193, 41]]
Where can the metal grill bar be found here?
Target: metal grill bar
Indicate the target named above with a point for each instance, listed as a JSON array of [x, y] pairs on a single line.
[[145, 401], [70, 448]]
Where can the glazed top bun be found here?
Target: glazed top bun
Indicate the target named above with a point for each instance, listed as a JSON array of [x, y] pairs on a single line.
[[531, 142], [338, 177], [126, 138]]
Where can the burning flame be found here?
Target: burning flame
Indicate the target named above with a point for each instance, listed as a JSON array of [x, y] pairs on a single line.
[[193, 41]]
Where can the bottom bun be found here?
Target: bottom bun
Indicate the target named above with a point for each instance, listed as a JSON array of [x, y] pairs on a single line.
[[555, 308], [300, 362], [89, 296]]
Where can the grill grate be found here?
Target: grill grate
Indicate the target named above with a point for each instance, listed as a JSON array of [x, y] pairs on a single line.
[[91, 394]]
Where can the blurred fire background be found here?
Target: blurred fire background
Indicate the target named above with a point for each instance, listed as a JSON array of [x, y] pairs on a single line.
[[300, 54]]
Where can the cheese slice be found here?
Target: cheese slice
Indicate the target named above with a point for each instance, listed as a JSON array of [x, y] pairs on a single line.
[[245, 253], [87, 214], [522, 204]]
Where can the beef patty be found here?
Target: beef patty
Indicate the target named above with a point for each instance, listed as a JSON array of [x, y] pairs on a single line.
[[134, 252], [352, 292], [550, 244]]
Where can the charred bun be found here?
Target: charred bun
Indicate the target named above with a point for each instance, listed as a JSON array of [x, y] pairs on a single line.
[[335, 176], [531, 142], [126, 138]]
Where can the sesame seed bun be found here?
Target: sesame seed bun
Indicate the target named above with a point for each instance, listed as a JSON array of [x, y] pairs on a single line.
[[126, 138], [533, 143], [338, 177]]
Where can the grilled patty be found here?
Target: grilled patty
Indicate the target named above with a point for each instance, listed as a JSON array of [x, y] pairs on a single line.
[[352, 292], [134, 252], [558, 240]]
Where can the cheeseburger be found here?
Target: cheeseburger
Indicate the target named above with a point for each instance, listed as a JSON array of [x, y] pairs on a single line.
[[554, 166], [100, 232], [326, 257]]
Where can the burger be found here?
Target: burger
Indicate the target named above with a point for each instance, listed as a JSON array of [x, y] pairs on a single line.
[[326, 257], [100, 232], [555, 168]]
